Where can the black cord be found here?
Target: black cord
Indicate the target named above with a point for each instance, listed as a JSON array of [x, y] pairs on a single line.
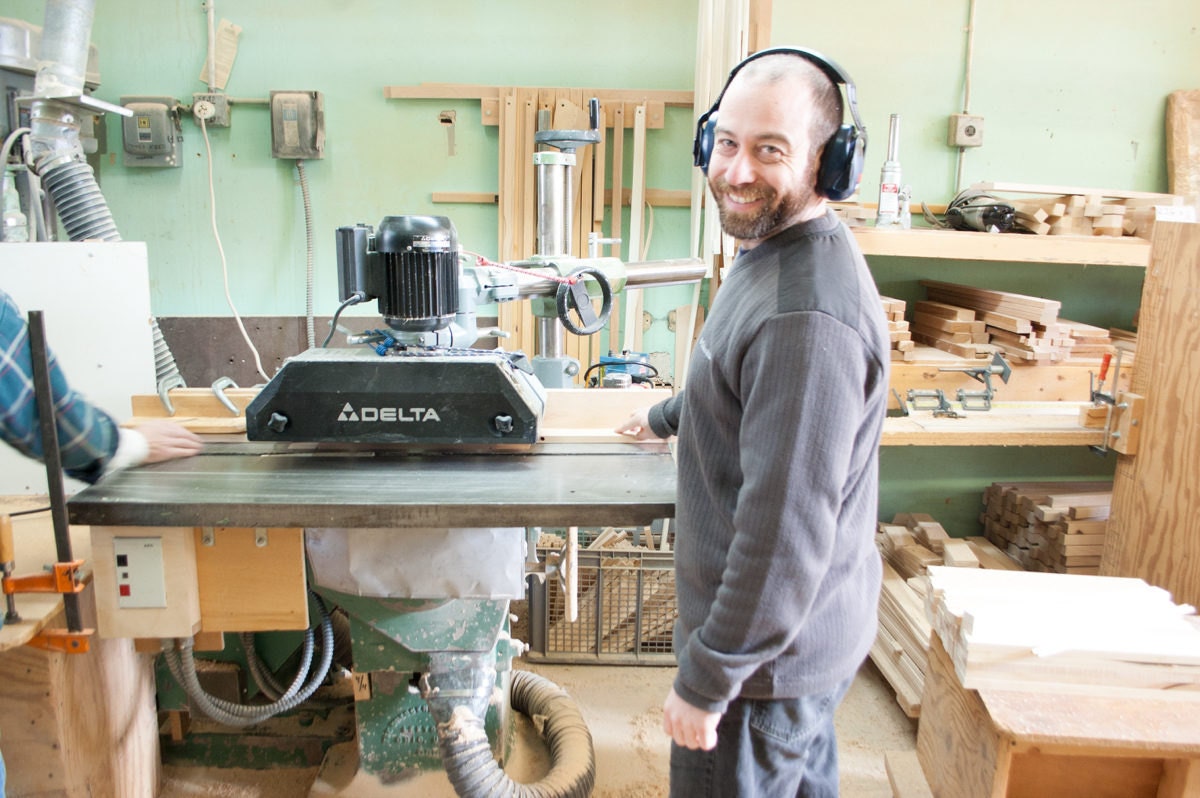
[[638, 378], [29, 512], [354, 299]]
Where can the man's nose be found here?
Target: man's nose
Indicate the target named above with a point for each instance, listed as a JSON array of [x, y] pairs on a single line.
[[740, 169]]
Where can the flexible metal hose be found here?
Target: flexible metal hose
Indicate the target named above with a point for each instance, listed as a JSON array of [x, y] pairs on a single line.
[[467, 755], [310, 319], [183, 668], [80, 204]]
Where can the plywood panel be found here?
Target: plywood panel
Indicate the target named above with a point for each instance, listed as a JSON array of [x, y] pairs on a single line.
[[1154, 529], [79, 724], [181, 616], [245, 587]]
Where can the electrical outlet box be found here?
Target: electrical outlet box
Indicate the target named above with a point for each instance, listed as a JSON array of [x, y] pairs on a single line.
[[297, 124], [152, 135], [212, 108], [965, 131], [141, 574]]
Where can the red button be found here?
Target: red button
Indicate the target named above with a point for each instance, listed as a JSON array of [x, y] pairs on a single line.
[[124, 590]]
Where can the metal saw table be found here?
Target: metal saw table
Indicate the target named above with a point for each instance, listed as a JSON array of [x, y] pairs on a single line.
[[303, 486]]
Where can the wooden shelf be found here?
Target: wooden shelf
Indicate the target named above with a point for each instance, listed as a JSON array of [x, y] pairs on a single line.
[[959, 245], [1006, 424]]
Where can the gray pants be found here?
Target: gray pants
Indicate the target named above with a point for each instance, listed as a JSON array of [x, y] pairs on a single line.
[[765, 749]]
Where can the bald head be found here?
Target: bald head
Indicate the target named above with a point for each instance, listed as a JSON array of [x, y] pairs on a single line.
[[812, 87]]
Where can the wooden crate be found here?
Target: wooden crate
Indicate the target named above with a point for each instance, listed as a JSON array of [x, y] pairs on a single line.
[[1053, 743]]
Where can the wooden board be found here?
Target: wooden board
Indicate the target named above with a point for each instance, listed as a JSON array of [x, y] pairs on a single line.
[[79, 724], [1154, 533], [1183, 142], [244, 587]]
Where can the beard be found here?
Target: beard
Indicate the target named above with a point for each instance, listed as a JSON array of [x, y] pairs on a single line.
[[777, 212]]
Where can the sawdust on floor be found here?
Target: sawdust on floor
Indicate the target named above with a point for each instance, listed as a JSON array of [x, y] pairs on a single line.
[[623, 708]]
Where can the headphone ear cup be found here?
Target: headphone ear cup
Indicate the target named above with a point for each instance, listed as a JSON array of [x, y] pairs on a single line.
[[841, 164], [703, 146]]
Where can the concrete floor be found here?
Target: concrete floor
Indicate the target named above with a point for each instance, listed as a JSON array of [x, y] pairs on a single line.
[[622, 706]]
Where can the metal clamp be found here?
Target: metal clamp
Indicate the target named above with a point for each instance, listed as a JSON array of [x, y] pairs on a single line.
[[218, 388]]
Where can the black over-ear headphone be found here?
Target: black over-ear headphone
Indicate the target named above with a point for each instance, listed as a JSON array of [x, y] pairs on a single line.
[[842, 159]]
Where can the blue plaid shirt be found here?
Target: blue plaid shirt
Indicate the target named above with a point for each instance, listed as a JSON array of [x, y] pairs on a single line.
[[87, 436]]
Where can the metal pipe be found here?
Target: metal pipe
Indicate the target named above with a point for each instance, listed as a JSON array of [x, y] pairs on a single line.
[[554, 195], [66, 28], [44, 394], [641, 274]]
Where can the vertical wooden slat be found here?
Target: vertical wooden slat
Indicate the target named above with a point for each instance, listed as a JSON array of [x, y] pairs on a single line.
[[599, 158], [637, 207], [616, 214]]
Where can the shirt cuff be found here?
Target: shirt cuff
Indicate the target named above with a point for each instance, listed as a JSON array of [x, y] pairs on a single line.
[[132, 450]]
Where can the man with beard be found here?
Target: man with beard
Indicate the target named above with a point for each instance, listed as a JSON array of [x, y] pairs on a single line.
[[778, 433]]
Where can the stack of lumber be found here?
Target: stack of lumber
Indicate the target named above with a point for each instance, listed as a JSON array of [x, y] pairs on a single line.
[[1024, 328], [902, 343], [951, 328], [1008, 629], [1083, 211], [1049, 526], [907, 546]]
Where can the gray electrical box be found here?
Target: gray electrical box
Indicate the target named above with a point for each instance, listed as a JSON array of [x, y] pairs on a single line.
[[152, 136], [297, 124]]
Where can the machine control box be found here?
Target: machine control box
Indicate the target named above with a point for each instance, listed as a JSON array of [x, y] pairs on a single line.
[[141, 575], [297, 124], [152, 135]]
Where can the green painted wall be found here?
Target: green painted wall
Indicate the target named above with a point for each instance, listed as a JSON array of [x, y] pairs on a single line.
[[382, 156], [1073, 93]]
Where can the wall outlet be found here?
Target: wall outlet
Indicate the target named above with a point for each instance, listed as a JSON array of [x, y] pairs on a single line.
[[212, 108], [965, 131]]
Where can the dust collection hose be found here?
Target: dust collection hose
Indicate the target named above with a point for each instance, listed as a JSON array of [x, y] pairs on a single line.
[[57, 152], [458, 701]]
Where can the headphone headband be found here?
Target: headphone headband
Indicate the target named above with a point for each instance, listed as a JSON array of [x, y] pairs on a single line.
[[841, 162]]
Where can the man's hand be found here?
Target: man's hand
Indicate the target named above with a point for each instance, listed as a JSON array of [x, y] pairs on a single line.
[[689, 726], [168, 440], [638, 426]]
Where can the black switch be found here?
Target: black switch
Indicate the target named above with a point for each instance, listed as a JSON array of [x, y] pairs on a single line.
[[122, 560]]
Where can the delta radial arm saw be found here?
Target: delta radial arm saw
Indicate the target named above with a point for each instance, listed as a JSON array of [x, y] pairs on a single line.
[[416, 466]]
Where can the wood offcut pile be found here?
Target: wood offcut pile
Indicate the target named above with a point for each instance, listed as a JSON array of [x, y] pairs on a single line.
[[909, 545], [902, 344], [1081, 211], [619, 597], [1011, 629], [1049, 526], [976, 323]]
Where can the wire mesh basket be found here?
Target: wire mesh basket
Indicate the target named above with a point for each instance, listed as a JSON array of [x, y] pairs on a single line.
[[626, 610]]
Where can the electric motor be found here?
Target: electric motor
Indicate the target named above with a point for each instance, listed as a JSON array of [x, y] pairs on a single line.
[[414, 272]]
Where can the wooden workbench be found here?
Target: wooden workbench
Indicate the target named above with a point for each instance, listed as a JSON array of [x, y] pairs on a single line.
[[71, 724]]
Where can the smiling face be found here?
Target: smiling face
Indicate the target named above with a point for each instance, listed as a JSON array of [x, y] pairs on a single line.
[[762, 171]]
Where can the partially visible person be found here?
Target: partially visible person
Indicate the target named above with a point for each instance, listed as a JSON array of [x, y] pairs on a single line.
[[777, 576], [90, 442]]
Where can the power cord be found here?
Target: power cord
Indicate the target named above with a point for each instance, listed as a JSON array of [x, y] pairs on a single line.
[[212, 204]]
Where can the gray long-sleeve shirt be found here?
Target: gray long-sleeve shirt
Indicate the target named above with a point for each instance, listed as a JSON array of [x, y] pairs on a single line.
[[777, 574]]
